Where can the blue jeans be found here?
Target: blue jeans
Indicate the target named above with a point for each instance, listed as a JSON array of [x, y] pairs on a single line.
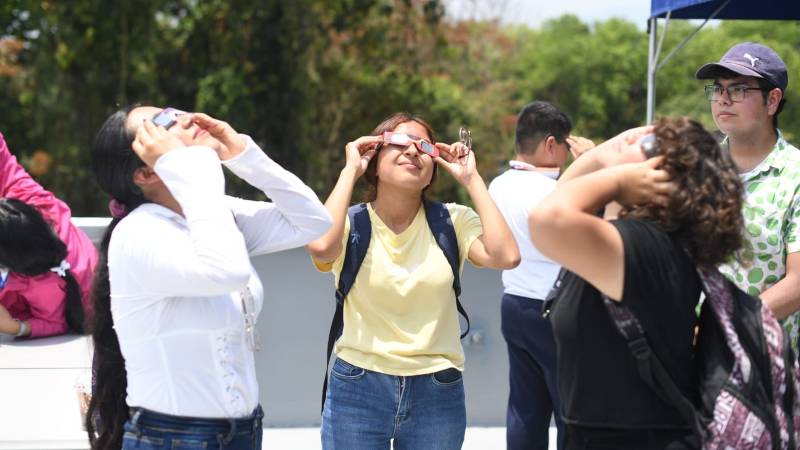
[[149, 430], [366, 410], [533, 393]]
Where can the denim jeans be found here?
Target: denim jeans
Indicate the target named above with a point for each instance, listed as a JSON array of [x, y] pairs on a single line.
[[366, 410], [149, 430]]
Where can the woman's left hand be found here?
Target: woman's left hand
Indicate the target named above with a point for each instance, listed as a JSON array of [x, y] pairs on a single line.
[[231, 144], [642, 183], [458, 160]]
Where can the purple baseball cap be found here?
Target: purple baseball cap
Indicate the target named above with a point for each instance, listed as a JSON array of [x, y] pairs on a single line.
[[751, 60]]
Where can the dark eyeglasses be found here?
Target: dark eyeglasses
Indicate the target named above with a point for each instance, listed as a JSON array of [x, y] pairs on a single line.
[[403, 140], [167, 117], [736, 93]]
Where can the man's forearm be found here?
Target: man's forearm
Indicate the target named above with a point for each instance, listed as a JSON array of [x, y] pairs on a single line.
[[783, 298]]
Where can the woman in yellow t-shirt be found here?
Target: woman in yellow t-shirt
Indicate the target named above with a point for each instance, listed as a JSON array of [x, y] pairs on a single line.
[[397, 375]]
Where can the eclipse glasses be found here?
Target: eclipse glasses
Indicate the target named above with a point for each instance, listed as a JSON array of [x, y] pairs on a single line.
[[404, 140], [167, 117]]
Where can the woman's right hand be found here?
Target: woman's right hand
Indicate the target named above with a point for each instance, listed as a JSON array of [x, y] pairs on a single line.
[[153, 141], [359, 152]]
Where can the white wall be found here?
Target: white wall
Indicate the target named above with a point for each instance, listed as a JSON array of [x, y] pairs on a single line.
[[294, 329]]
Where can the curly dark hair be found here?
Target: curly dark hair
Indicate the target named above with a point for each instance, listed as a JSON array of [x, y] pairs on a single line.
[[704, 215]]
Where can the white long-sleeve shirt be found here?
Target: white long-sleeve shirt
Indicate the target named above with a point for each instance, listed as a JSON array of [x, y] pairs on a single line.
[[175, 280]]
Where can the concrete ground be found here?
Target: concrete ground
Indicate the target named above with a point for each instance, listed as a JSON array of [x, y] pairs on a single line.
[[477, 438]]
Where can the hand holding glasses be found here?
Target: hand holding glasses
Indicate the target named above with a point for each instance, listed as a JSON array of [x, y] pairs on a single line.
[[459, 152]]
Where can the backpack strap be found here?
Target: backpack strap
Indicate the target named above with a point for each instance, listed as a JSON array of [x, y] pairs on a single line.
[[441, 225], [554, 293], [354, 253], [789, 399], [651, 371]]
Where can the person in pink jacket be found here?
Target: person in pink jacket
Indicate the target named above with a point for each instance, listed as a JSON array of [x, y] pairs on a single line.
[[46, 263]]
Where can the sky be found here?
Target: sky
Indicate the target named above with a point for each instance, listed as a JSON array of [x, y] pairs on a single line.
[[534, 12]]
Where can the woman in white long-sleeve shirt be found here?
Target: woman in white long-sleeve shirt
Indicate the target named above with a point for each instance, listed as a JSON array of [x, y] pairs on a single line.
[[176, 297]]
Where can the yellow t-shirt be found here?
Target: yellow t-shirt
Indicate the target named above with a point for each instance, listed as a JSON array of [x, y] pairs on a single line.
[[400, 316]]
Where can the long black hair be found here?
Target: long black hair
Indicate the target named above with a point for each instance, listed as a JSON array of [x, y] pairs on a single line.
[[30, 246], [113, 165]]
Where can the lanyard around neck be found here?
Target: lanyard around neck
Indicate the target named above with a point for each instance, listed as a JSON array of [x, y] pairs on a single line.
[[522, 165]]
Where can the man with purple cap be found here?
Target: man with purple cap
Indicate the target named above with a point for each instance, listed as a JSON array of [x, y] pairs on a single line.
[[747, 95]]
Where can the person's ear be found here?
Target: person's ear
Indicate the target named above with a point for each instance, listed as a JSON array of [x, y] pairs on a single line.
[[145, 176], [773, 100], [550, 145]]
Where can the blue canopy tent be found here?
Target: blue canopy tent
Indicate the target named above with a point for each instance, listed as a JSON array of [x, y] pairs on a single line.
[[706, 10]]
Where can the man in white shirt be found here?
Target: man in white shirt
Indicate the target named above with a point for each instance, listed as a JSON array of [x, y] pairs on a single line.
[[542, 145]]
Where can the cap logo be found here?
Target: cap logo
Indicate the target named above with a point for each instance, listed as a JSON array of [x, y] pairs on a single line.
[[751, 59]]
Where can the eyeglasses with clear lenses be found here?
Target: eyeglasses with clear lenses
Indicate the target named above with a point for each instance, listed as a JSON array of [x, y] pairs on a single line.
[[465, 136], [736, 92]]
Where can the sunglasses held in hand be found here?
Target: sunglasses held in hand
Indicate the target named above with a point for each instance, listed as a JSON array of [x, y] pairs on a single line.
[[403, 140]]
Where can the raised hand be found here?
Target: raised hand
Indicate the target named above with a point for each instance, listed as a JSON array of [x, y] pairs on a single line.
[[358, 153], [579, 145], [458, 160], [231, 143], [153, 141], [642, 183], [624, 147]]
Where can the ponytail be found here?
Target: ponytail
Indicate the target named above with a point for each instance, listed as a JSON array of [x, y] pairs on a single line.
[[113, 166], [107, 411]]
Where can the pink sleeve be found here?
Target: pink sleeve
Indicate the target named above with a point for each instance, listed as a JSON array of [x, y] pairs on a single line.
[[15, 182], [47, 302]]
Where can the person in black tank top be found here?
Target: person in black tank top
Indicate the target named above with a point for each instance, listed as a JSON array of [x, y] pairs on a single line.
[[681, 211]]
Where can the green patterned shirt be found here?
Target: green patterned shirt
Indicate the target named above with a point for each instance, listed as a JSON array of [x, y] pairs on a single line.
[[771, 217]]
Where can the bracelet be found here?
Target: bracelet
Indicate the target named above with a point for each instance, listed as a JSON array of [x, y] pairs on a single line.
[[23, 328]]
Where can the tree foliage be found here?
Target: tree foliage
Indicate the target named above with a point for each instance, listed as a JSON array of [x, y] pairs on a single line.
[[305, 77]]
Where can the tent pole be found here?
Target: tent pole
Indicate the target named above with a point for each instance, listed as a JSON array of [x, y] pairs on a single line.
[[653, 65], [691, 35], [651, 69]]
